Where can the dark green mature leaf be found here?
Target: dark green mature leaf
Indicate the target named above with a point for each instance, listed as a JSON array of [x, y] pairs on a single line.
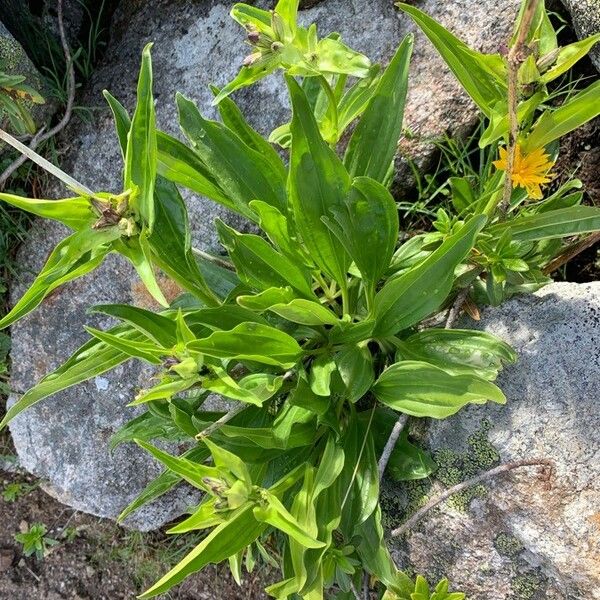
[[140, 157], [424, 390], [234, 119], [240, 530], [75, 213], [251, 341], [146, 427], [574, 113], [241, 172], [482, 75], [458, 351], [356, 369], [92, 359], [367, 226], [318, 181], [374, 143], [259, 264], [73, 257], [421, 290], [171, 242], [553, 224]]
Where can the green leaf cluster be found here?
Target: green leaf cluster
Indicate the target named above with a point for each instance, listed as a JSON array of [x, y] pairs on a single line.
[[315, 327]]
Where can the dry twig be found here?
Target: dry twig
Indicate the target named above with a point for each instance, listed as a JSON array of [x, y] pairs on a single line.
[[40, 136], [391, 443], [571, 252], [456, 307], [532, 462]]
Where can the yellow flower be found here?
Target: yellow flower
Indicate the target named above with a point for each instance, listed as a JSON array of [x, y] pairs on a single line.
[[530, 171]]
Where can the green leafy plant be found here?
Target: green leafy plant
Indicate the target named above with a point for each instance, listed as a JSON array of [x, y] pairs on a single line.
[[16, 98], [35, 541], [13, 491], [315, 326]]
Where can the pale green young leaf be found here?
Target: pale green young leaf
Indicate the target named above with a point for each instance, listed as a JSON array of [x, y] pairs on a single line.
[[240, 530], [75, 213], [252, 389], [374, 143], [559, 223], [143, 350], [421, 389], [228, 461], [265, 300], [165, 390], [277, 227], [204, 517], [122, 121], [574, 113], [305, 312], [73, 257], [92, 359], [482, 75], [193, 472], [568, 56]]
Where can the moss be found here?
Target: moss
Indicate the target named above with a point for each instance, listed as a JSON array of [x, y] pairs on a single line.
[[508, 545]]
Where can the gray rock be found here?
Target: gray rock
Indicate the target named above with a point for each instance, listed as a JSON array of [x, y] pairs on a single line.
[[64, 439], [519, 536], [586, 21], [14, 61]]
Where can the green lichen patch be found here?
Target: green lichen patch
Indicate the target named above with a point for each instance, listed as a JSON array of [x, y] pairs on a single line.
[[508, 545], [528, 586]]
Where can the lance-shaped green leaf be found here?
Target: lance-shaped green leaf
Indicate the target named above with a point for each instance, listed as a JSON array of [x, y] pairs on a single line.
[[147, 427], [158, 328], [251, 341], [355, 366], [139, 349], [240, 530], [318, 182], [264, 300], [277, 227], [122, 121], [204, 517], [367, 226], [241, 172], [73, 257], [553, 224], [92, 359], [274, 513], [193, 472], [165, 390], [288, 11], [165, 482], [75, 213], [574, 113], [305, 312], [259, 264], [140, 157], [138, 252], [234, 119], [458, 351], [374, 143], [171, 242], [252, 389], [482, 75], [423, 390], [568, 56], [421, 290], [333, 56]]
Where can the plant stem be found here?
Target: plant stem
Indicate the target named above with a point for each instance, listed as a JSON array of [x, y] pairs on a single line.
[[213, 259], [391, 443], [236, 410], [416, 517], [516, 56]]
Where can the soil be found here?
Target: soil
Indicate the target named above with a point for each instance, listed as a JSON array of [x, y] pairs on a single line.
[[97, 560]]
